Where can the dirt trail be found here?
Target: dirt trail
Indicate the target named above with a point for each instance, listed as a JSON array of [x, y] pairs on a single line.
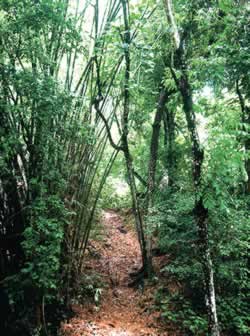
[[123, 311]]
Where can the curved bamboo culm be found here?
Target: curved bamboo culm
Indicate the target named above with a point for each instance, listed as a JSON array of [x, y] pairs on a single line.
[[76, 137]]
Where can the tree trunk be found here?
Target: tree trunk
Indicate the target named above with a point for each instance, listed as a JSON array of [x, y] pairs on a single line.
[[129, 164], [245, 111], [124, 147], [154, 146], [169, 139], [152, 167], [136, 211], [200, 212]]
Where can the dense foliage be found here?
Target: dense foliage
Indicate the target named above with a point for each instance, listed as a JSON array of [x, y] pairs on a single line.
[[153, 93]]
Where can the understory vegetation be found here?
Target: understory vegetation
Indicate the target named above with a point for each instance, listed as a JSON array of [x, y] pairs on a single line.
[[137, 105]]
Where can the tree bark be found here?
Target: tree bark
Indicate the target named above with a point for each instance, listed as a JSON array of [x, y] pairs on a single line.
[[245, 111], [124, 147], [152, 168], [154, 146], [200, 212], [129, 163], [169, 142]]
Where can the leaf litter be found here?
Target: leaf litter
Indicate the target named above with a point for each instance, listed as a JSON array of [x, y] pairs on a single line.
[[123, 311]]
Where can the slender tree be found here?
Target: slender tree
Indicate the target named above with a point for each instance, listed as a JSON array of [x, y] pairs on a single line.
[[200, 211]]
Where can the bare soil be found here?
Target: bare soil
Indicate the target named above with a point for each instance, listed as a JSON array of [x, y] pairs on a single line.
[[123, 311]]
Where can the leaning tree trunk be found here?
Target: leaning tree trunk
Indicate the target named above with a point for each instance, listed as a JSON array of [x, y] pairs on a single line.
[[136, 210], [124, 144], [200, 211], [129, 164]]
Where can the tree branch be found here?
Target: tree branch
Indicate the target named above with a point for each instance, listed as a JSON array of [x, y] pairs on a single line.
[[171, 20], [140, 178], [113, 144]]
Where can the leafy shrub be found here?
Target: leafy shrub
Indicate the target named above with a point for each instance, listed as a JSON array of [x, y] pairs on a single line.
[[229, 241], [90, 289]]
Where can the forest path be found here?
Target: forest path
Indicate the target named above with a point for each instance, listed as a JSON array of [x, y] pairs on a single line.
[[123, 311]]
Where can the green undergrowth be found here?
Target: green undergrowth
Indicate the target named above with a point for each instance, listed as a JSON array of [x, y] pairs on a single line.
[[90, 289], [229, 232]]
